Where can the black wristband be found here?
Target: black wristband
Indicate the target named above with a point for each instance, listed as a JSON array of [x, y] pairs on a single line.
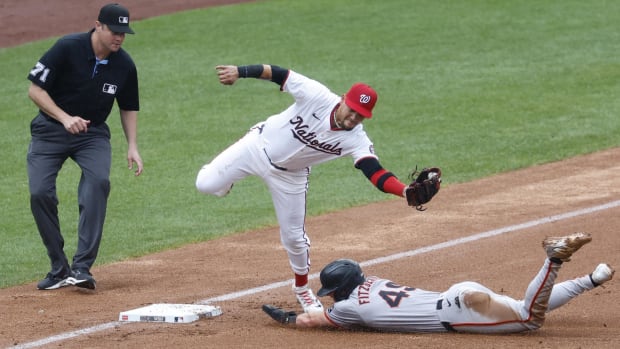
[[250, 71], [381, 180]]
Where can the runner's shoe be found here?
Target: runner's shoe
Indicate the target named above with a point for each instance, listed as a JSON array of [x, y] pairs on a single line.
[[307, 299], [563, 247], [603, 273], [51, 283]]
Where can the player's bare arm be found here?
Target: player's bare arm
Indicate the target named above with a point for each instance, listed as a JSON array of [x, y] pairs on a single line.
[[229, 74], [313, 319], [304, 320]]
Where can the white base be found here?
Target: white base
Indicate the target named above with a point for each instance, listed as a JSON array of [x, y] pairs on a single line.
[[171, 313]]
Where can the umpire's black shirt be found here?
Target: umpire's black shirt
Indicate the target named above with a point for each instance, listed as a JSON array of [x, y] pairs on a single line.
[[78, 85]]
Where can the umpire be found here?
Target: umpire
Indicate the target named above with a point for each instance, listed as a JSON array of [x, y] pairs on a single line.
[[74, 85]]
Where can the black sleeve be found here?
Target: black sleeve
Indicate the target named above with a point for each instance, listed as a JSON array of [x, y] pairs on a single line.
[[50, 65], [278, 74], [129, 98], [369, 166]]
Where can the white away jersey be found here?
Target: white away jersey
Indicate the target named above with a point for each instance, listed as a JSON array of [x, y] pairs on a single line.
[[383, 305], [301, 136]]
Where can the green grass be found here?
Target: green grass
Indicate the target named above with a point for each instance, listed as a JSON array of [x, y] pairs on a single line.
[[476, 87]]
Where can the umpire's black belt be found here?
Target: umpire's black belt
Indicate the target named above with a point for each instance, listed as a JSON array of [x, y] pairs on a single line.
[[445, 324]]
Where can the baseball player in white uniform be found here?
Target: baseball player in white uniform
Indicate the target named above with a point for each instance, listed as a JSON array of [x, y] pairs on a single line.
[[381, 304], [319, 126]]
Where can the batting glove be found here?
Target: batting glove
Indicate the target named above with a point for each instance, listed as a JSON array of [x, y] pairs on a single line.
[[281, 316]]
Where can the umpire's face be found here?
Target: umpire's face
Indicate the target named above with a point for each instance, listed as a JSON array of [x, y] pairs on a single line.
[[111, 41]]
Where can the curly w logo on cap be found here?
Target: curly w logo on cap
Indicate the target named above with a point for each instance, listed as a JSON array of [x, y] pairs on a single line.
[[361, 98]]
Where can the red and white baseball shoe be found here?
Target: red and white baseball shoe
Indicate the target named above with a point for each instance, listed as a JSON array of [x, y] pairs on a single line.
[[307, 299]]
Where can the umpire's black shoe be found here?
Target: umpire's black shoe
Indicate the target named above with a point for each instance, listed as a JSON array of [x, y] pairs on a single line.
[[82, 279], [51, 282]]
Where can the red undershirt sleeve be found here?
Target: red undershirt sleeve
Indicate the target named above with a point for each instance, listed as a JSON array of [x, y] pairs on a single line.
[[379, 177], [387, 182]]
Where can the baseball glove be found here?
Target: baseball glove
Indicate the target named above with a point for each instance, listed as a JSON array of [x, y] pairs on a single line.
[[281, 316], [424, 187]]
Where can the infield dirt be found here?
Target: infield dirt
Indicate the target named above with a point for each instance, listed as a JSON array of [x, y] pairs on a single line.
[[505, 262]]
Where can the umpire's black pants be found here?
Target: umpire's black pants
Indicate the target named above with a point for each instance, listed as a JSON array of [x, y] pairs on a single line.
[[50, 147]]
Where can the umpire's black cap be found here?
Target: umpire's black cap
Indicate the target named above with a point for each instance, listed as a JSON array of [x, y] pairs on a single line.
[[116, 17]]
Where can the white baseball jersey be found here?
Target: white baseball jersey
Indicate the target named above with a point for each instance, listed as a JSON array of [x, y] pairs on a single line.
[[301, 135], [281, 150], [465, 307]]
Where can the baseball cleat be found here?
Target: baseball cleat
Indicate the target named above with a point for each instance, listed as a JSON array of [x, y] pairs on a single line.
[[307, 299], [603, 273], [563, 247]]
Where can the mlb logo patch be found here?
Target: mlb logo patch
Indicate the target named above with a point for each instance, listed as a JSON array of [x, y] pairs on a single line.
[[123, 20], [109, 89]]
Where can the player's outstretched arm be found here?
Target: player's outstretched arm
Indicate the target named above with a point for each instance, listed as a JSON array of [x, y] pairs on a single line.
[[313, 319], [303, 320], [381, 178], [229, 74]]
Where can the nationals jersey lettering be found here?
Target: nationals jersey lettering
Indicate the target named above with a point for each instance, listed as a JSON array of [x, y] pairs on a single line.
[[309, 138]]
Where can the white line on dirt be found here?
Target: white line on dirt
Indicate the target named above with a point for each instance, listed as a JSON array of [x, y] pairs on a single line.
[[251, 291]]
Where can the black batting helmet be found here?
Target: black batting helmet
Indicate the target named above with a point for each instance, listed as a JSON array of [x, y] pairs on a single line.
[[341, 277]]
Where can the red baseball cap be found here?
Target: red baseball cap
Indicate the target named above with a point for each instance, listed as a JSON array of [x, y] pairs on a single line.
[[361, 98]]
